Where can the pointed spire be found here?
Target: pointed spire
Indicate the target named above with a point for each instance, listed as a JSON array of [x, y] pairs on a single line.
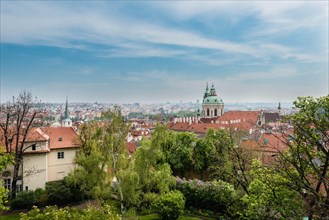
[[66, 114], [213, 90], [279, 106], [206, 94]]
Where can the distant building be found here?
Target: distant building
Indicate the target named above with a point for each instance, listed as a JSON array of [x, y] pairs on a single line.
[[212, 105], [66, 122], [213, 116]]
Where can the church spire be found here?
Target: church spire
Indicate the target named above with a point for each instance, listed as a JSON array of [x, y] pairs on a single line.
[[213, 90], [66, 114], [206, 94]]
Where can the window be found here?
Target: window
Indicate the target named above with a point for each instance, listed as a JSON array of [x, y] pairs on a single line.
[[60, 139], [34, 146], [60, 155], [215, 112], [19, 188], [26, 188], [7, 184]]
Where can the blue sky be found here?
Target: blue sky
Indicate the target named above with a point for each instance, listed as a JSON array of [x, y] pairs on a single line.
[[159, 51]]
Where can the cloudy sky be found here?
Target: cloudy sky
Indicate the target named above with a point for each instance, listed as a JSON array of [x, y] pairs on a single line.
[[159, 51]]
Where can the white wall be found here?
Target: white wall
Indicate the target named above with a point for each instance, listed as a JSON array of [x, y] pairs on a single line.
[[34, 171], [59, 168]]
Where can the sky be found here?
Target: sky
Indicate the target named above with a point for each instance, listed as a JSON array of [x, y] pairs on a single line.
[[164, 51]]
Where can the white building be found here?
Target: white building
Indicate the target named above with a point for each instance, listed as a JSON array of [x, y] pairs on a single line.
[[49, 155]]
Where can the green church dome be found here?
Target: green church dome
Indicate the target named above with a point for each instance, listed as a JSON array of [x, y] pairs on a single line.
[[212, 100]]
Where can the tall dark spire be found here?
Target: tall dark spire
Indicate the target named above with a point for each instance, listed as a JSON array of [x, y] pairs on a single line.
[[66, 114], [206, 94]]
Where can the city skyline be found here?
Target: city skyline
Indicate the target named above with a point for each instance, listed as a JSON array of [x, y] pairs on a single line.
[[156, 52]]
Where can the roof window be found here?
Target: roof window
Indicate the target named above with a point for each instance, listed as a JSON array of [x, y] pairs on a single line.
[[60, 139]]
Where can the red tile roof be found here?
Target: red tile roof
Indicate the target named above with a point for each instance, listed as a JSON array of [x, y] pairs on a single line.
[[131, 147], [61, 137]]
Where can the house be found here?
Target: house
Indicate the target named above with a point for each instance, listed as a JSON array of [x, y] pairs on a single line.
[[48, 156]]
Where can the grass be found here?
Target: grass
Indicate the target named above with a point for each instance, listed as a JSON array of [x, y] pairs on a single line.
[[14, 216]]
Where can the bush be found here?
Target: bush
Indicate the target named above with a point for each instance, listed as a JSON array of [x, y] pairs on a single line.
[[170, 205], [52, 213], [216, 196], [27, 199], [61, 193]]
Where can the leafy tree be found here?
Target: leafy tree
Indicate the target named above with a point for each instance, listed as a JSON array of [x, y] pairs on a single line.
[[5, 160], [221, 141], [180, 155], [103, 156], [270, 196], [202, 154], [90, 174], [170, 205], [306, 162], [154, 173], [17, 118]]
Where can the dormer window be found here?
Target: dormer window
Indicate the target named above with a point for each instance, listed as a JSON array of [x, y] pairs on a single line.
[[34, 147], [60, 139]]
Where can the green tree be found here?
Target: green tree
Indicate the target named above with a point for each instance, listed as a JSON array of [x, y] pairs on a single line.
[[154, 173], [170, 205], [270, 196], [5, 160], [221, 141], [103, 157], [202, 154], [180, 155], [306, 162]]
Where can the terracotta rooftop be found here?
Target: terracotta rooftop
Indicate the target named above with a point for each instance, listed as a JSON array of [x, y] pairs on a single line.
[[61, 137]]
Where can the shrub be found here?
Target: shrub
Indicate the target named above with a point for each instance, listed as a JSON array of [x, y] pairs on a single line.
[[52, 213], [61, 193], [216, 196], [24, 200], [170, 205]]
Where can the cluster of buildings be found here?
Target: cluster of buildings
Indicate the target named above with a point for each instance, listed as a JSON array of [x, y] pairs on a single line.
[[264, 131], [50, 151]]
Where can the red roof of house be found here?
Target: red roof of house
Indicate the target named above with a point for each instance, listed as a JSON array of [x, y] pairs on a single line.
[[131, 147], [61, 137]]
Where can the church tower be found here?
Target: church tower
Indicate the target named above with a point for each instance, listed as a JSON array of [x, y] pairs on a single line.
[[212, 105], [66, 122]]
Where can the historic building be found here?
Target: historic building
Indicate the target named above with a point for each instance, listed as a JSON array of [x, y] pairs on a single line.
[[213, 116], [66, 122], [212, 105]]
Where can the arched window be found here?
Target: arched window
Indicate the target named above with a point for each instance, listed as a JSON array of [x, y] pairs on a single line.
[[215, 112], [208, 112]]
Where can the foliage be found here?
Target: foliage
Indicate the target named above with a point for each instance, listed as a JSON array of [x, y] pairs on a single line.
[[180, 154], [154, 174], [306, 163], [54, 213], [61, 193], [170, 205], [202, 153], [5, 160], [269, 196], [17, 118], [216, 196], [27, 199], [221, 141], [3, 197]]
